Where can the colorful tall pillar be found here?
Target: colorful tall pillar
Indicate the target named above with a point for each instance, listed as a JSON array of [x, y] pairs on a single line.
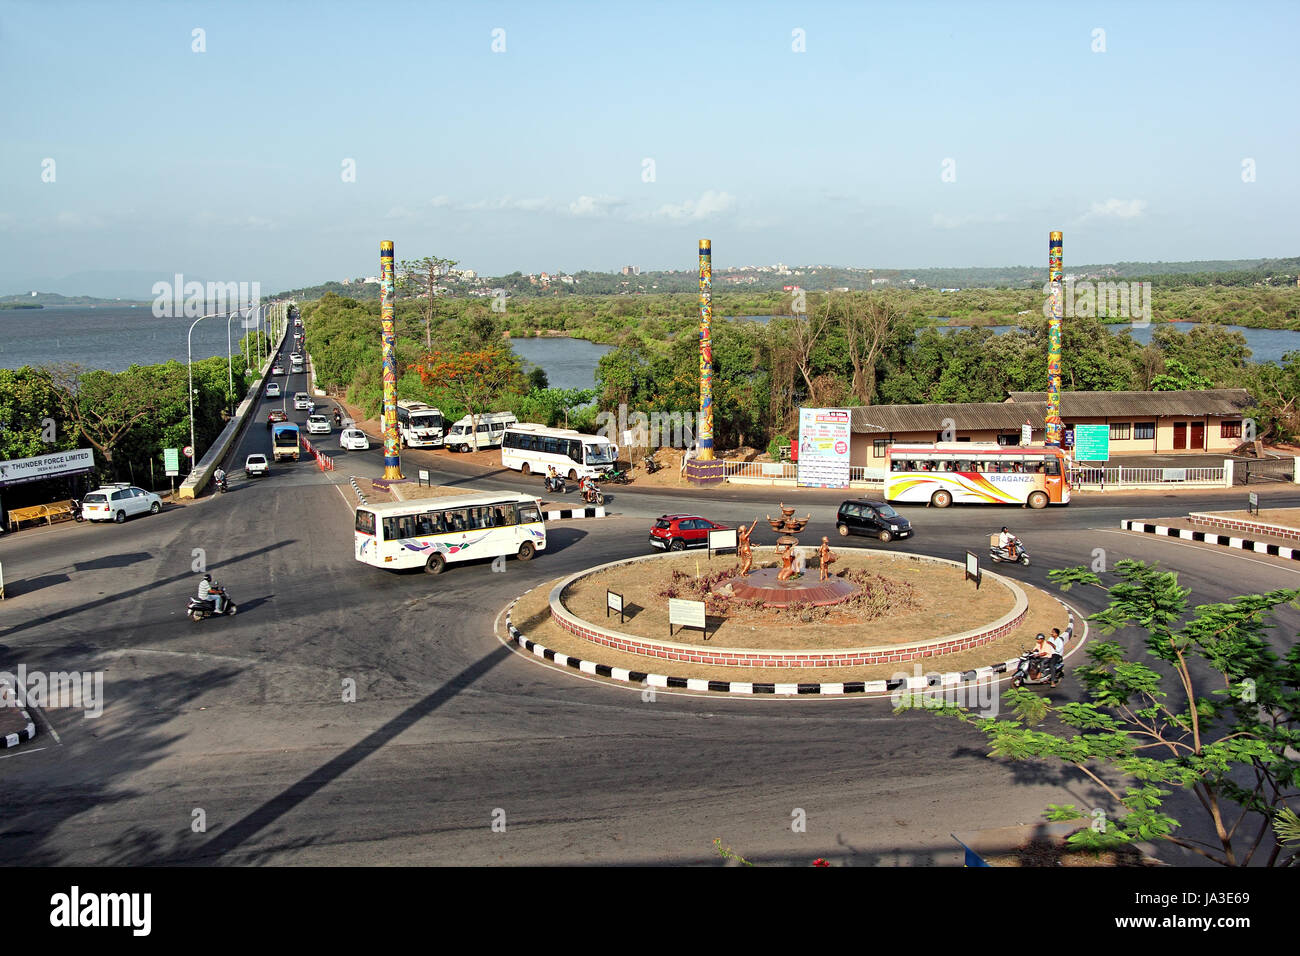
[[706, 351], [392, 447], [1054, 281]]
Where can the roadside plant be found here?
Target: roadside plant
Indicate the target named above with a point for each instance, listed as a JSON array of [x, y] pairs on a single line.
[[1210, 709]]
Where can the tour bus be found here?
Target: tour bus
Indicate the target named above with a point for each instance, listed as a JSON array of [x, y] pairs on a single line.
[[491, 427], [976, 473], [432, 532], [284, 441], [419, 425], [529, 448]]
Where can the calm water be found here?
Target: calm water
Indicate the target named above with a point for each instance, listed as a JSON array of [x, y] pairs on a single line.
[[1266, 345], [569, 363], [112, 338]]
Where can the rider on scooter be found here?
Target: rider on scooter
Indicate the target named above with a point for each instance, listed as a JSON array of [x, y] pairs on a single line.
[[219, 476], [210, 592], [1009, 543], [589, 488]]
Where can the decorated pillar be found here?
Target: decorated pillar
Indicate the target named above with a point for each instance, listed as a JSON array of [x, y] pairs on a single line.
[[1054, 281], [392, 447], [706, 351]]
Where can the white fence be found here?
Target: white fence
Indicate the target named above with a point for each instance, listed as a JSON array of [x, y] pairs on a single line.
[[789, 471], [1118, 475]]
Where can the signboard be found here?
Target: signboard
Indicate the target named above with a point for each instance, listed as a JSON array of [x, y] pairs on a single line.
[[973, 568], [189, 451], [172, 461], [1253, 504], [423, 477], [721, 540], [686, 614], [773, 471], [1092, 443], [824, 435], [1173, 474], [21, 470], [614, 602]]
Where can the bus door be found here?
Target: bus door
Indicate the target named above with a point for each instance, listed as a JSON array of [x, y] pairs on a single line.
[[1054, 481]]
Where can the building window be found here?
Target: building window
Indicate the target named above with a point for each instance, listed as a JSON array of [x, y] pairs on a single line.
[[1230, 429], [1144, 430], [1010, 439], [878, 447], [1119, 431]]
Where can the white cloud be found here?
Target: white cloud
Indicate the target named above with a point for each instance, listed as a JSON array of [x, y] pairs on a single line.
[[439, 202], [709, 204], [591, 206], [507, 203], [1115, 209]]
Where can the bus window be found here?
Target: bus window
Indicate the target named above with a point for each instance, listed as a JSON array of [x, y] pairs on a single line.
[[962, 464], [1052, 466], [366, 522], [528, 514], [504, 515]]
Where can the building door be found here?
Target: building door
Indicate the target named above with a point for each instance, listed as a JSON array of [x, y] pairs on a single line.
[[1180, 436], [1198, 436]]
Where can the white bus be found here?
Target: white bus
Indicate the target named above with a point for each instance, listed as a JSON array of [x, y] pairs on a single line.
[[530, 448], [419, 425], [434, 532], [977, 473], [487, 432]]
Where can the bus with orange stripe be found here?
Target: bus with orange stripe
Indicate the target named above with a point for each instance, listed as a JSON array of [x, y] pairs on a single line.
[[976, 473]]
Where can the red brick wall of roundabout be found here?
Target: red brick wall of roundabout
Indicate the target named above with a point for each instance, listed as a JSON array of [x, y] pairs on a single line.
[[835, 657]]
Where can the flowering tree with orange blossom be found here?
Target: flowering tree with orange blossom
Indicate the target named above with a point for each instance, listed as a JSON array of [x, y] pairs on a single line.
[[475, 379]]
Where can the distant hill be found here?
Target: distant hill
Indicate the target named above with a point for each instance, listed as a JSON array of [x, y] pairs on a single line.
[[1233, 272], [24, 300]]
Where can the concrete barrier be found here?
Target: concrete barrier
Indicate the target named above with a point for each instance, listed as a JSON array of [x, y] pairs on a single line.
[[202, 472]]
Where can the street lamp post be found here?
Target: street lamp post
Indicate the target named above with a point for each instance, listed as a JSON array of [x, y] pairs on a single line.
[[189, 371]]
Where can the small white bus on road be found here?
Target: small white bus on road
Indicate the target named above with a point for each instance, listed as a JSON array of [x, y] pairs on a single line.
[[531, 448], [434, 532]]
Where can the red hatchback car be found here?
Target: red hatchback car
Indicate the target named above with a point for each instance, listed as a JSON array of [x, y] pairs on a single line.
[[679, 532]]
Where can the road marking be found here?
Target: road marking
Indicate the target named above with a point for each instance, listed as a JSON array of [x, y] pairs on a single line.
[[1238, 554], [35, 712], [346, 504], [21, 752]]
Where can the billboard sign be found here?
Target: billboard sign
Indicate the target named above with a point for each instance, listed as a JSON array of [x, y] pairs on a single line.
[[60, 463], [824, 436]]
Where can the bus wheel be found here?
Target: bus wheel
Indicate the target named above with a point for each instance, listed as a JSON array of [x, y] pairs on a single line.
[[1038, 499], [573, 474], [526, 551], [524, 469], [435, 564], [941, 499]]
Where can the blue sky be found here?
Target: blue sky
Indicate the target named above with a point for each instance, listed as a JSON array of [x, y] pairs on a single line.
[[227, 164]]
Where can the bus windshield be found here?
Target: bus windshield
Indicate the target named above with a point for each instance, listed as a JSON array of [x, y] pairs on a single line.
[[600, 454]]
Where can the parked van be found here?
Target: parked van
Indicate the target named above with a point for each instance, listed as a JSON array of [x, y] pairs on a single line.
[[491, 426]]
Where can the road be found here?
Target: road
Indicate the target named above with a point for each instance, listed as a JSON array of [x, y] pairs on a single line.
[[241, 723]]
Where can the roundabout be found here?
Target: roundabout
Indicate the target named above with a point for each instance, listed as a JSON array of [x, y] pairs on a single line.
[[905, 612]]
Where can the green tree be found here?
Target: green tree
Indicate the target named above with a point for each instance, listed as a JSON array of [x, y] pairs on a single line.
[[31, 420], [1230, 739]]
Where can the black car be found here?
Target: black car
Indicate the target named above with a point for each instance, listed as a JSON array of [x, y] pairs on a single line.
[[863, 516]]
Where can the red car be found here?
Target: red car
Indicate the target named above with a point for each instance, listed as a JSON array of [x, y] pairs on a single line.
[[277, 415], [679, 532]]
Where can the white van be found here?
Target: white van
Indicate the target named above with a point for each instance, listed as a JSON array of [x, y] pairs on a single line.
[[491, 426]]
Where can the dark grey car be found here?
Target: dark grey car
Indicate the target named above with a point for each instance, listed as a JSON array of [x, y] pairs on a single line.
[[875, 518]]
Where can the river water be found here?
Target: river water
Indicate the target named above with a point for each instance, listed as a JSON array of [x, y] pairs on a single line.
[[569, 363]]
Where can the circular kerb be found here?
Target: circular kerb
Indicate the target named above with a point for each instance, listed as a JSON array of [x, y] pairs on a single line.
[[833, 657]]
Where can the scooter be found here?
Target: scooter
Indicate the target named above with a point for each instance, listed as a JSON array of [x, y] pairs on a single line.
[[1033, 669], [1004, 554], [594, 496], [651, 466], [221, 484], [338, 419], [76, 510], [555, 485], [198, 610]]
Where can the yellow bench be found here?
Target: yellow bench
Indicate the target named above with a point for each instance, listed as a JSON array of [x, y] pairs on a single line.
[[55, 509]]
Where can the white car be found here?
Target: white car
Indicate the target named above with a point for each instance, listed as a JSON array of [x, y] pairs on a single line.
[[278, 370], [318, 425], [273, 390], [295, 357], [256, 465], [353, 439], [301, 400], [119, 502]]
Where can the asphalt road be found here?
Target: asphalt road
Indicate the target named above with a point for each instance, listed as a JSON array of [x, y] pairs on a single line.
[[241, 722]]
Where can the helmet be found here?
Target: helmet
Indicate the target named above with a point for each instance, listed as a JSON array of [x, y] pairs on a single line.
[[1040, 637]]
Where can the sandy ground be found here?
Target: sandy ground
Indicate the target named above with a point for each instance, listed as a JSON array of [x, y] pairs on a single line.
[[945, 603], [532, 615]]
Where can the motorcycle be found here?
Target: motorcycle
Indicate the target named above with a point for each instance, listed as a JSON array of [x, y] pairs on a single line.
[[76, 510], [617, 477], [198, 610], [338, 419], [593, 496], [999, 554], [221, 484], [651, 466], [555, 485], [1036, 670]]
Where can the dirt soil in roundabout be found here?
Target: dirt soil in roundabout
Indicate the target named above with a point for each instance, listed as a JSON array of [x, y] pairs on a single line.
[[943, 602]]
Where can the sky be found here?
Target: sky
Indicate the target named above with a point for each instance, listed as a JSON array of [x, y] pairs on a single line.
[[280, 142]]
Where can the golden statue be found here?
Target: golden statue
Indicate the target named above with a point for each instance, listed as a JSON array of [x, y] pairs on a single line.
[[744, 549], [828, 557]]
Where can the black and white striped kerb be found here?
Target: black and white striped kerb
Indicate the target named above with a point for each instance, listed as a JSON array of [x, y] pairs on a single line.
[[877, 688], [357, 489], [1210, 537], [562, 513], [8, 699]]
